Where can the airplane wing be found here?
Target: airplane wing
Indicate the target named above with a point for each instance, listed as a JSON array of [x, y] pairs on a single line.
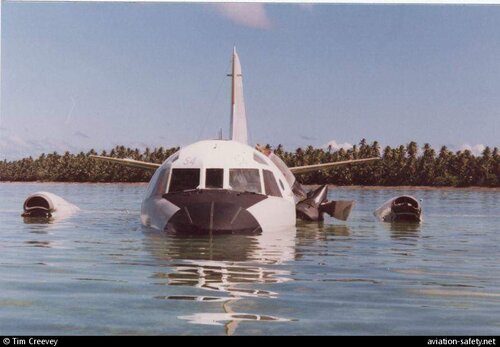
[[127, 162], [308, 168]]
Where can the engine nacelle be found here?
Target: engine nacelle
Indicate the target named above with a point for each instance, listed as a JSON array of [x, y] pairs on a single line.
[[402, 208], [47, 205]]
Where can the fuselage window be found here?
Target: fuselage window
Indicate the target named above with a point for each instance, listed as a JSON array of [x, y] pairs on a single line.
[[245, 180], [214, 178], [272, 188], [184, 179]]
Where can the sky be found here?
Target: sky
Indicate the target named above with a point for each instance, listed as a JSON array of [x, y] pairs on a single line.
[[76, 76]]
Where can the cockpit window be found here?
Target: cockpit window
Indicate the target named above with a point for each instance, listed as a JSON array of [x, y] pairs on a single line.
[[184, 179], [245, 180], [214, 178], [272, 188]]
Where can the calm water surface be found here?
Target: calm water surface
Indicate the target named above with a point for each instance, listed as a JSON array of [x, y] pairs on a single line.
[[100, 272]]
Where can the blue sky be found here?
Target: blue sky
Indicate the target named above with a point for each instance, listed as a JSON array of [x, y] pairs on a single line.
[[83, 75]]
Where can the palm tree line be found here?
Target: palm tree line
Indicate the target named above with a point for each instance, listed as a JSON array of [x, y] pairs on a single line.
[[402, 165]]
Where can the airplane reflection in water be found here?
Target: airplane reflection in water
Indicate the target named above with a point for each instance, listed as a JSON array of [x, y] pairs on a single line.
[[229, 268], [234, 270]]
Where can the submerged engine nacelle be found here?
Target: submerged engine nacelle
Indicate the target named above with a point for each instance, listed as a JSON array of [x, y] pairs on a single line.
[[47, 205], [316, 203], [402, 208]]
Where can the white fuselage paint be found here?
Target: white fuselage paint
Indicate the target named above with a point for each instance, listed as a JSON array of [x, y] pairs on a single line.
[[272, 212]]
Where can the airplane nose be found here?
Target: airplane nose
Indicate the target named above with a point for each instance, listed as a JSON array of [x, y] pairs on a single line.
[[213, 211]]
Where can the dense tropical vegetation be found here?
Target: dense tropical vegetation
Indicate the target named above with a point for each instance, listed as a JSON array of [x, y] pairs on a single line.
[[403, 165]]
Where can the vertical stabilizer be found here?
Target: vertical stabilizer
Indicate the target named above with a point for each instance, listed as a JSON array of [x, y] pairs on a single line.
[[238, 127]]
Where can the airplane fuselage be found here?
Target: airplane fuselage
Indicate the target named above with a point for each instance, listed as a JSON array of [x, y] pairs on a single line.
[[219, 186]]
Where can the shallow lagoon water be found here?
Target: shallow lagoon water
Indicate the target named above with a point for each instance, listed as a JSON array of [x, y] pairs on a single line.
[[100, 272]]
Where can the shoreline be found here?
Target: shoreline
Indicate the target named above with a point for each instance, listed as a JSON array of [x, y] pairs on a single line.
[[87, 183], [417, 188], [330, 186]]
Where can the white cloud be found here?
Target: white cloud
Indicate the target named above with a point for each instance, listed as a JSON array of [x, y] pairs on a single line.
[[336, 146], [252, 15], [475, 149]]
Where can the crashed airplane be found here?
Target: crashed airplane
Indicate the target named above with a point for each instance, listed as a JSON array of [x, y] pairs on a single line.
[[228, 186]]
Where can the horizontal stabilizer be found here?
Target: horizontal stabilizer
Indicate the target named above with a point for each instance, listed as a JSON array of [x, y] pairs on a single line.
[[308, 168], [128, 162]]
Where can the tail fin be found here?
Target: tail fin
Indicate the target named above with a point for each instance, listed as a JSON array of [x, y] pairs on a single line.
[[238, 129]]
